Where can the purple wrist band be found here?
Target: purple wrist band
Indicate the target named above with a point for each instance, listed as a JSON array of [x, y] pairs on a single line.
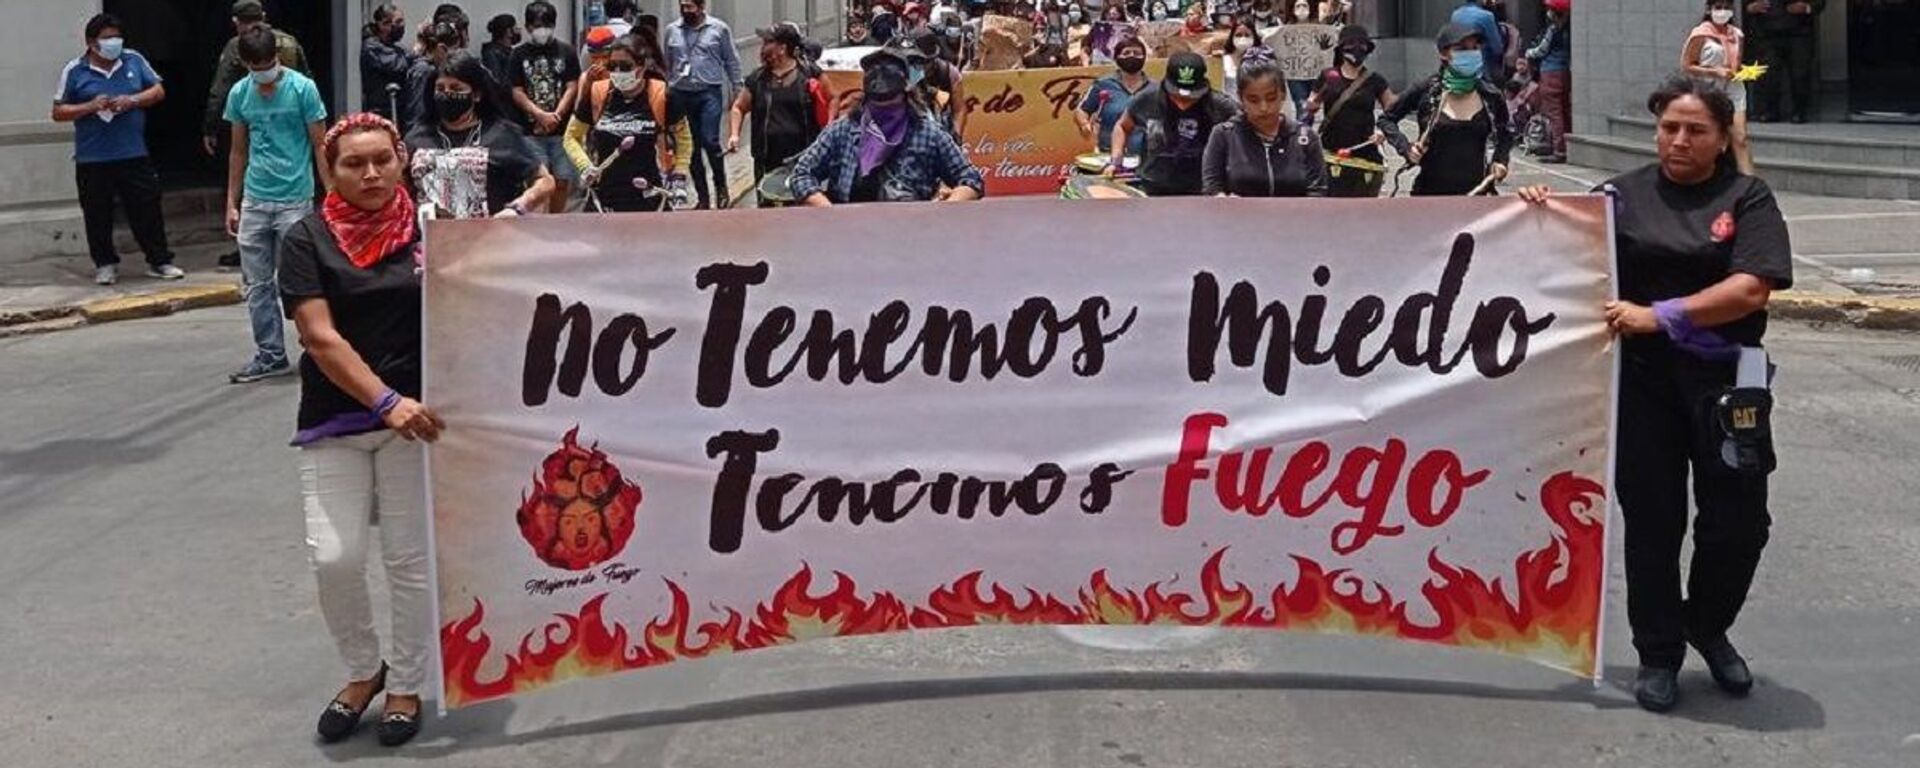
[[387, 402], [1671, 315]]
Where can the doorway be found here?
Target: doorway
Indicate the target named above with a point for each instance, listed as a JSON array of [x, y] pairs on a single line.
[[1883, 60], [183, 40]]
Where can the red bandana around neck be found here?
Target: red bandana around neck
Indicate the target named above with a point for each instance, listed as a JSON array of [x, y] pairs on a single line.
[[369, 236]]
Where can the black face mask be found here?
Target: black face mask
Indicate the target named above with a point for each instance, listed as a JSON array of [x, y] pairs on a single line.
[[690, 19], [450, 107], [395, 34], [1130, 64]]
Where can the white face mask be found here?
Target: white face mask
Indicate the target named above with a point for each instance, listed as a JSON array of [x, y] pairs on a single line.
[[1242, 43], [265, 76], [625, 81], [111, 47], [542, 35], [1721, 16]]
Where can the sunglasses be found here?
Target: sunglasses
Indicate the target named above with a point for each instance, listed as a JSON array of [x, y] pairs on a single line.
[[622, 66]]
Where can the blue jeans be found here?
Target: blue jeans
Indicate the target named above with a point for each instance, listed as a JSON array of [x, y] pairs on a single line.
[[261, 227], [702, 108]]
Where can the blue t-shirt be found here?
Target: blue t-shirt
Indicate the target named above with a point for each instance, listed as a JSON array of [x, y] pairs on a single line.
[[103, 138], [1108, 100], [279, 152]]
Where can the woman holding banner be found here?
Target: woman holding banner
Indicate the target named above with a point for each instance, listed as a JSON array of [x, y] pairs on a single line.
[[349, 280], [1261, 152], [1701, 249], [1460, 114]]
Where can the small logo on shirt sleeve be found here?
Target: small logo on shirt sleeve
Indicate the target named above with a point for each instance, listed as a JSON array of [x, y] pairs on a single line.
[[1723, 227]]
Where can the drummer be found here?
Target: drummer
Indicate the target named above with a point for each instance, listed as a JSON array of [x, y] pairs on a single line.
[[889, 149], [1174, 117], [1109, 96], [1349, 93], [789, 108]]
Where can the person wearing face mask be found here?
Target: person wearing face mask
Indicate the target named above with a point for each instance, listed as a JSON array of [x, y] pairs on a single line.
[[1478, 15], [789, 107], [229, 69], [1345, 98], [502, 35], [1107, 99], [1712, 55], [1460, 114], [1264, 18], [544, 75], [105, 93], [1174, 118], [278, 122], [887, 150], [1243, 43], [939, 85], [701, 64], [617, 138], [472, 161], [1261, 152], [384, 61]]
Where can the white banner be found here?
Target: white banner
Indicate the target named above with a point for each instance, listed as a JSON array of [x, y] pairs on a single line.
[[671, 436]]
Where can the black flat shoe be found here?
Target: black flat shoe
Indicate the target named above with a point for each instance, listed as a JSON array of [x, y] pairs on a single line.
[[397, 728], [1728, 669], [1657, 688], [340, 719]]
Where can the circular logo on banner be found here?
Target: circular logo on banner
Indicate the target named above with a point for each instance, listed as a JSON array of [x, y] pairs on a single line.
[[580, 512]]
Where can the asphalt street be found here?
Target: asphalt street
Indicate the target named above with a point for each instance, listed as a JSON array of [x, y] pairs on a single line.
[[159, 612]]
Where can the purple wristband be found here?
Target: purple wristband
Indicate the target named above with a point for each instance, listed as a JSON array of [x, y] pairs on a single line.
[[387, 402]]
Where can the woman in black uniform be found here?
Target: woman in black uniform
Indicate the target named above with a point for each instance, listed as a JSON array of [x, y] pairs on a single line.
[[1350, 96], [615, 138], [1459, 114], [1701, 248]]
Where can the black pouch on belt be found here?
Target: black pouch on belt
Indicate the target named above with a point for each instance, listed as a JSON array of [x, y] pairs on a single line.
[[1743, 417]]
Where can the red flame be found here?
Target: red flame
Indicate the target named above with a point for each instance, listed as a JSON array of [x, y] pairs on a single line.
[[581, 510], [1551, 615]]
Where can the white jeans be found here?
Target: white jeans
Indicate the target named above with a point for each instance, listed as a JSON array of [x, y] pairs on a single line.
[[340, 479]]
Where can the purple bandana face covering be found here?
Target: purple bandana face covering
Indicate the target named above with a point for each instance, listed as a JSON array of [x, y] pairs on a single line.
[[881, 131]]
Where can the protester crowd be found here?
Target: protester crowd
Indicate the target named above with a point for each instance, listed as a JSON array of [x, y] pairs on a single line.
[[637, 116]]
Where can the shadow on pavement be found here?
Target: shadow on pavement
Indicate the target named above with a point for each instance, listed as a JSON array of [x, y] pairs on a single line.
[[483, 726], [1770, 708]]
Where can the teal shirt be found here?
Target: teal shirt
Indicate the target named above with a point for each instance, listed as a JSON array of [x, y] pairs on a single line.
[[279, 152]]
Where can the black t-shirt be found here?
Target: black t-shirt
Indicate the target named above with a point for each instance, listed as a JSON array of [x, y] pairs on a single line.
[[473, 173], [377, 310], [1676, 240], [783, 117], [1456, 159], [1175, 139], [1353, 123], [544, 72], [621, 117]]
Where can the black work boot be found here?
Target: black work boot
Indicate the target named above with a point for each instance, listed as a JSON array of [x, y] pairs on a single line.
[[1728, 669], [1657, 688]]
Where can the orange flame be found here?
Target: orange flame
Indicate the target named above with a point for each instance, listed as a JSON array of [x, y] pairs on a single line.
[[1551, 616]]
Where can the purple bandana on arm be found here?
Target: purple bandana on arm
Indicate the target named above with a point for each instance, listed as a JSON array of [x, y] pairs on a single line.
[[882, 130], [1700, 342]]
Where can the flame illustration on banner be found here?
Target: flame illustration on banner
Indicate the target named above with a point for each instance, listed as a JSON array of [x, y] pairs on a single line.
[[1550, 614], [581, 510]]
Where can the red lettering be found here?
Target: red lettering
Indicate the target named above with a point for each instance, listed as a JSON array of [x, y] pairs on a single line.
[[1185, 469], [1430, 470], [1303, 467], [1243, 493], [1354, 534]]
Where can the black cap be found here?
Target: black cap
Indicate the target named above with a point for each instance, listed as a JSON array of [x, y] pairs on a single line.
[[1454, 34], [782, 33], [1354, 34], [1187, 75], [249, 10], [886, 73]]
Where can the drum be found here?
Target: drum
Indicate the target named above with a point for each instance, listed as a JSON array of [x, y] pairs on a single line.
[[1354, 176], [1087, 186], [774, 190], [1095, 163]]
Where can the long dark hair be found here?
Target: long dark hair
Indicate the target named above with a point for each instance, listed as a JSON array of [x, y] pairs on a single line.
[[465, 67], [1719, 105], [381, 13], [644, 50]]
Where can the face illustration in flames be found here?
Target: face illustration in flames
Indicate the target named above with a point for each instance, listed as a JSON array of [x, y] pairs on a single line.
[[581, 510], [1550, 612]]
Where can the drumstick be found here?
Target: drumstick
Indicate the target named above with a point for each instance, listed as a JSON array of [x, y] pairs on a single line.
[[1485, 184], [626, 145]]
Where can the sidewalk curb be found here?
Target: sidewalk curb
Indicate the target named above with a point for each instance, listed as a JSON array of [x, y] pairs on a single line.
[[156, 304], [1880, 313]]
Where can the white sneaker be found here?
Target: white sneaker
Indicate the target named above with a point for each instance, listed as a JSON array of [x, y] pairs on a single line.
[[165, 272], [106, 275]]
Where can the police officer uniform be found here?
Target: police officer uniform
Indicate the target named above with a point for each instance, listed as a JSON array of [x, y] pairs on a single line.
[[1673, 241]]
